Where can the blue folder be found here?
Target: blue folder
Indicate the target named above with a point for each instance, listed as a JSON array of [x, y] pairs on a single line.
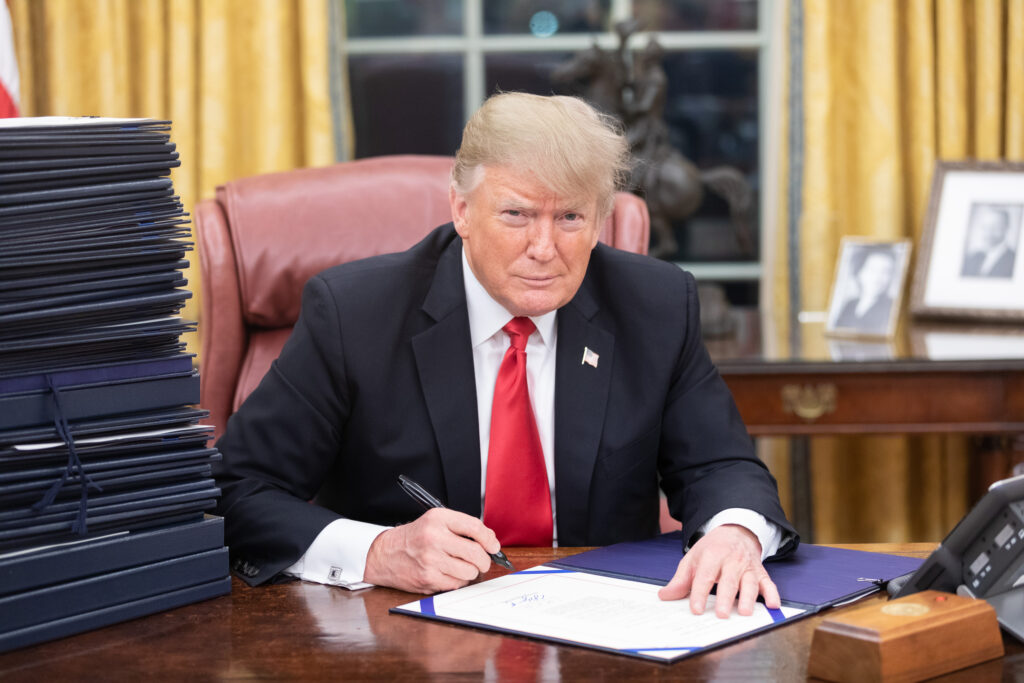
[[813, 577], [48, 565], [59, 601]]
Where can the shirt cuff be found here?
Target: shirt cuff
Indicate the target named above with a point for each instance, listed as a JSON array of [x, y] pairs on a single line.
[[768, 533], [337, 556]]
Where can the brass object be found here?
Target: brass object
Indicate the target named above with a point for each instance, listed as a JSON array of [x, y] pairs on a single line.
[[632, 86], [809, 402]]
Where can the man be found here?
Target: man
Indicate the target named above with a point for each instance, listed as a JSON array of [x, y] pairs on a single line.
[[869, 312], [992, 255], [413, 364]]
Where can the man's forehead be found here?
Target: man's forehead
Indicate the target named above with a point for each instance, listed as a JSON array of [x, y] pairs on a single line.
[[512, 186]]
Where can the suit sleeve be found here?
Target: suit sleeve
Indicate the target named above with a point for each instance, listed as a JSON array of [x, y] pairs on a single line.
[[278, 447], [707, 458]]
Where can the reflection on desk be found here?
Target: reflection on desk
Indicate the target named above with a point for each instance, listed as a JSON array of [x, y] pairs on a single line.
[[300, 631], [781, 379], [958, 343]]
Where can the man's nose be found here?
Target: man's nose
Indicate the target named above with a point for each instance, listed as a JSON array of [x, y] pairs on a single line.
[[542, 239]]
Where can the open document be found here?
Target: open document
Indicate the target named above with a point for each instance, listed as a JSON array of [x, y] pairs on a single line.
[[607, 598], [594, 611]]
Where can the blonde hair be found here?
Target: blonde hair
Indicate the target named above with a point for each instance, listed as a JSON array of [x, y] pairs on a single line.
[[567, 144]]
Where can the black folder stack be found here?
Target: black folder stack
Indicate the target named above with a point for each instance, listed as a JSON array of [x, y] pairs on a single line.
[[105, 473]]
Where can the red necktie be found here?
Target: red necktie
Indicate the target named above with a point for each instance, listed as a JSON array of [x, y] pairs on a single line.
[[517, 500]]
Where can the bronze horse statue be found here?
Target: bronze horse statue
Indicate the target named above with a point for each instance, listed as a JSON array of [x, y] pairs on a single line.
[[634, 92]]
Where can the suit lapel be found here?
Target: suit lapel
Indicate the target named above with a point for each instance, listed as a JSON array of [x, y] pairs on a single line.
[[444, 361], [581, 395]]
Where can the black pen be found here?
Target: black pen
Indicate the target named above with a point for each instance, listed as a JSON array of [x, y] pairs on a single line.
[[423, 497]]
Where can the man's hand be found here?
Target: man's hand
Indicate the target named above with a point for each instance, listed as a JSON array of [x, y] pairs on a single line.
[[729, 555], [440, 551]]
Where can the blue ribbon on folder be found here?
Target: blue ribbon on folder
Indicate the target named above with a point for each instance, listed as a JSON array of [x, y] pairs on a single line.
[[74, 467]]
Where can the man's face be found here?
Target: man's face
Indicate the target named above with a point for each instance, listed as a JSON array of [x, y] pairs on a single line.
[[991, 228], [875, 274], [527, 246]]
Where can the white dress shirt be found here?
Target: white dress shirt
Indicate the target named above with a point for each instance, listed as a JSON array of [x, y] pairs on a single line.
[[338, 554]]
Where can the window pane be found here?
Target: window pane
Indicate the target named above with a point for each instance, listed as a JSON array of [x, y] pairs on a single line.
[[377, 18], [523, 72], [545, 18], [406, 104], [696, 15], [712, 112]]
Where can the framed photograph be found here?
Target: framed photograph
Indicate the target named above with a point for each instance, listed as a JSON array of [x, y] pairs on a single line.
[[969, 263], [868, 288]]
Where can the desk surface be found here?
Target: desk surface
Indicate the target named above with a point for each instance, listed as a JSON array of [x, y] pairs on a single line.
[[759, 342], [300, 631]]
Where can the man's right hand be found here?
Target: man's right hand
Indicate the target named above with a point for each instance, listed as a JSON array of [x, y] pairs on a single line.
[[440, 551]]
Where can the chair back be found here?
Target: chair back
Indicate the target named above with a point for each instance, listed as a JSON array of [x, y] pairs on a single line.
[[261, 238]]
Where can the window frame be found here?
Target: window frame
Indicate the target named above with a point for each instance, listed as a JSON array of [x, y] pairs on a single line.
[[474, 45]]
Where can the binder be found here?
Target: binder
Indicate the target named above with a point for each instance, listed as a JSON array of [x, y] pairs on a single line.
[[105, 500], [91, 273], [48, 565], [59, 531], [124, 210], [31, 408], [100, 160], [105, 464], [100, 509], [167, 417], [133, 441], [14, 153], [112, 615], [113, 482], [59, 601], [79, 171]]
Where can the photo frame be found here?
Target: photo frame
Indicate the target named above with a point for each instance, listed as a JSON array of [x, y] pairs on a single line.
[[868, 288], [970, 263]]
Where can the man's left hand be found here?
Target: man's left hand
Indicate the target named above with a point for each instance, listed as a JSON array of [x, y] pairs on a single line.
[[729, 555]]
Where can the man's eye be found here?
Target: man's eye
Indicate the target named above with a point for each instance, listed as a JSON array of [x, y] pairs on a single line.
[[571, 216]]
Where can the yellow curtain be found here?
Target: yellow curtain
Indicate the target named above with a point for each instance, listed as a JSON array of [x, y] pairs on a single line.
[[888, 88], [245, 82]]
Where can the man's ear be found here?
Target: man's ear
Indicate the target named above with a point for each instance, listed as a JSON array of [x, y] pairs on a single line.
[[460, 209]]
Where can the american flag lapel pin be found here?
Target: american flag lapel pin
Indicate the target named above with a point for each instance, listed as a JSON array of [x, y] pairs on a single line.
[[589, 357]]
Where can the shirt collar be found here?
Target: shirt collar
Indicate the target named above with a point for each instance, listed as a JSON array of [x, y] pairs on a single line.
[[487, 316]]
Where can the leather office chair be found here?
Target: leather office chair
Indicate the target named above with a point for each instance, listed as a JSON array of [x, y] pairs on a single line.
[[264, 236]]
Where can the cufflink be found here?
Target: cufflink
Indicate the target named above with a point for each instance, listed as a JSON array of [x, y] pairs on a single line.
[[334, 575]]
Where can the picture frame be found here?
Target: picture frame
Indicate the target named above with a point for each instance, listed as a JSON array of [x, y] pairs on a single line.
[[969, 263], [867, 290]]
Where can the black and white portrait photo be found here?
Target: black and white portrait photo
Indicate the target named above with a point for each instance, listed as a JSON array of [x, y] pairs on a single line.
[[990, 249], [866, 293], [970, 265]]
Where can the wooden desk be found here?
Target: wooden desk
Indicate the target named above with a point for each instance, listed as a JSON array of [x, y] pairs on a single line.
[[301, 631], [929, 379]]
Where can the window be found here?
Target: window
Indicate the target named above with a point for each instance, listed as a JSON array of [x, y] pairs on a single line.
[[418, 68]]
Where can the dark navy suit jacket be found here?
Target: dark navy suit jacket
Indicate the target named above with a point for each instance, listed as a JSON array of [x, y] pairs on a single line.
[[377, 380]]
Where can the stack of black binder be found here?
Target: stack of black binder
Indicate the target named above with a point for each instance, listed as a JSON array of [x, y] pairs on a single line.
[[104, 470]]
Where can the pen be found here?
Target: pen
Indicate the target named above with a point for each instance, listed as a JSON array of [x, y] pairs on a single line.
[[423, 497]]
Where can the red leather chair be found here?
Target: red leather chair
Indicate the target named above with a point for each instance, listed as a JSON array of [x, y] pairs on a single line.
[[264, 236]]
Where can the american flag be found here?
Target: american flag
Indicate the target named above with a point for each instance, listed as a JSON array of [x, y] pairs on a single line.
[[589, 357]]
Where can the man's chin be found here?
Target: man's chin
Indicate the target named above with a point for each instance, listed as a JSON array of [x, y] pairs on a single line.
[[535, 304]]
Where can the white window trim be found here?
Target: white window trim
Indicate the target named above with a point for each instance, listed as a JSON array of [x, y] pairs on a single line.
[[473, 45]]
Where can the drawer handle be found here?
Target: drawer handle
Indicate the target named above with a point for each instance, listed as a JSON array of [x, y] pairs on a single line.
[[809, 402]]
